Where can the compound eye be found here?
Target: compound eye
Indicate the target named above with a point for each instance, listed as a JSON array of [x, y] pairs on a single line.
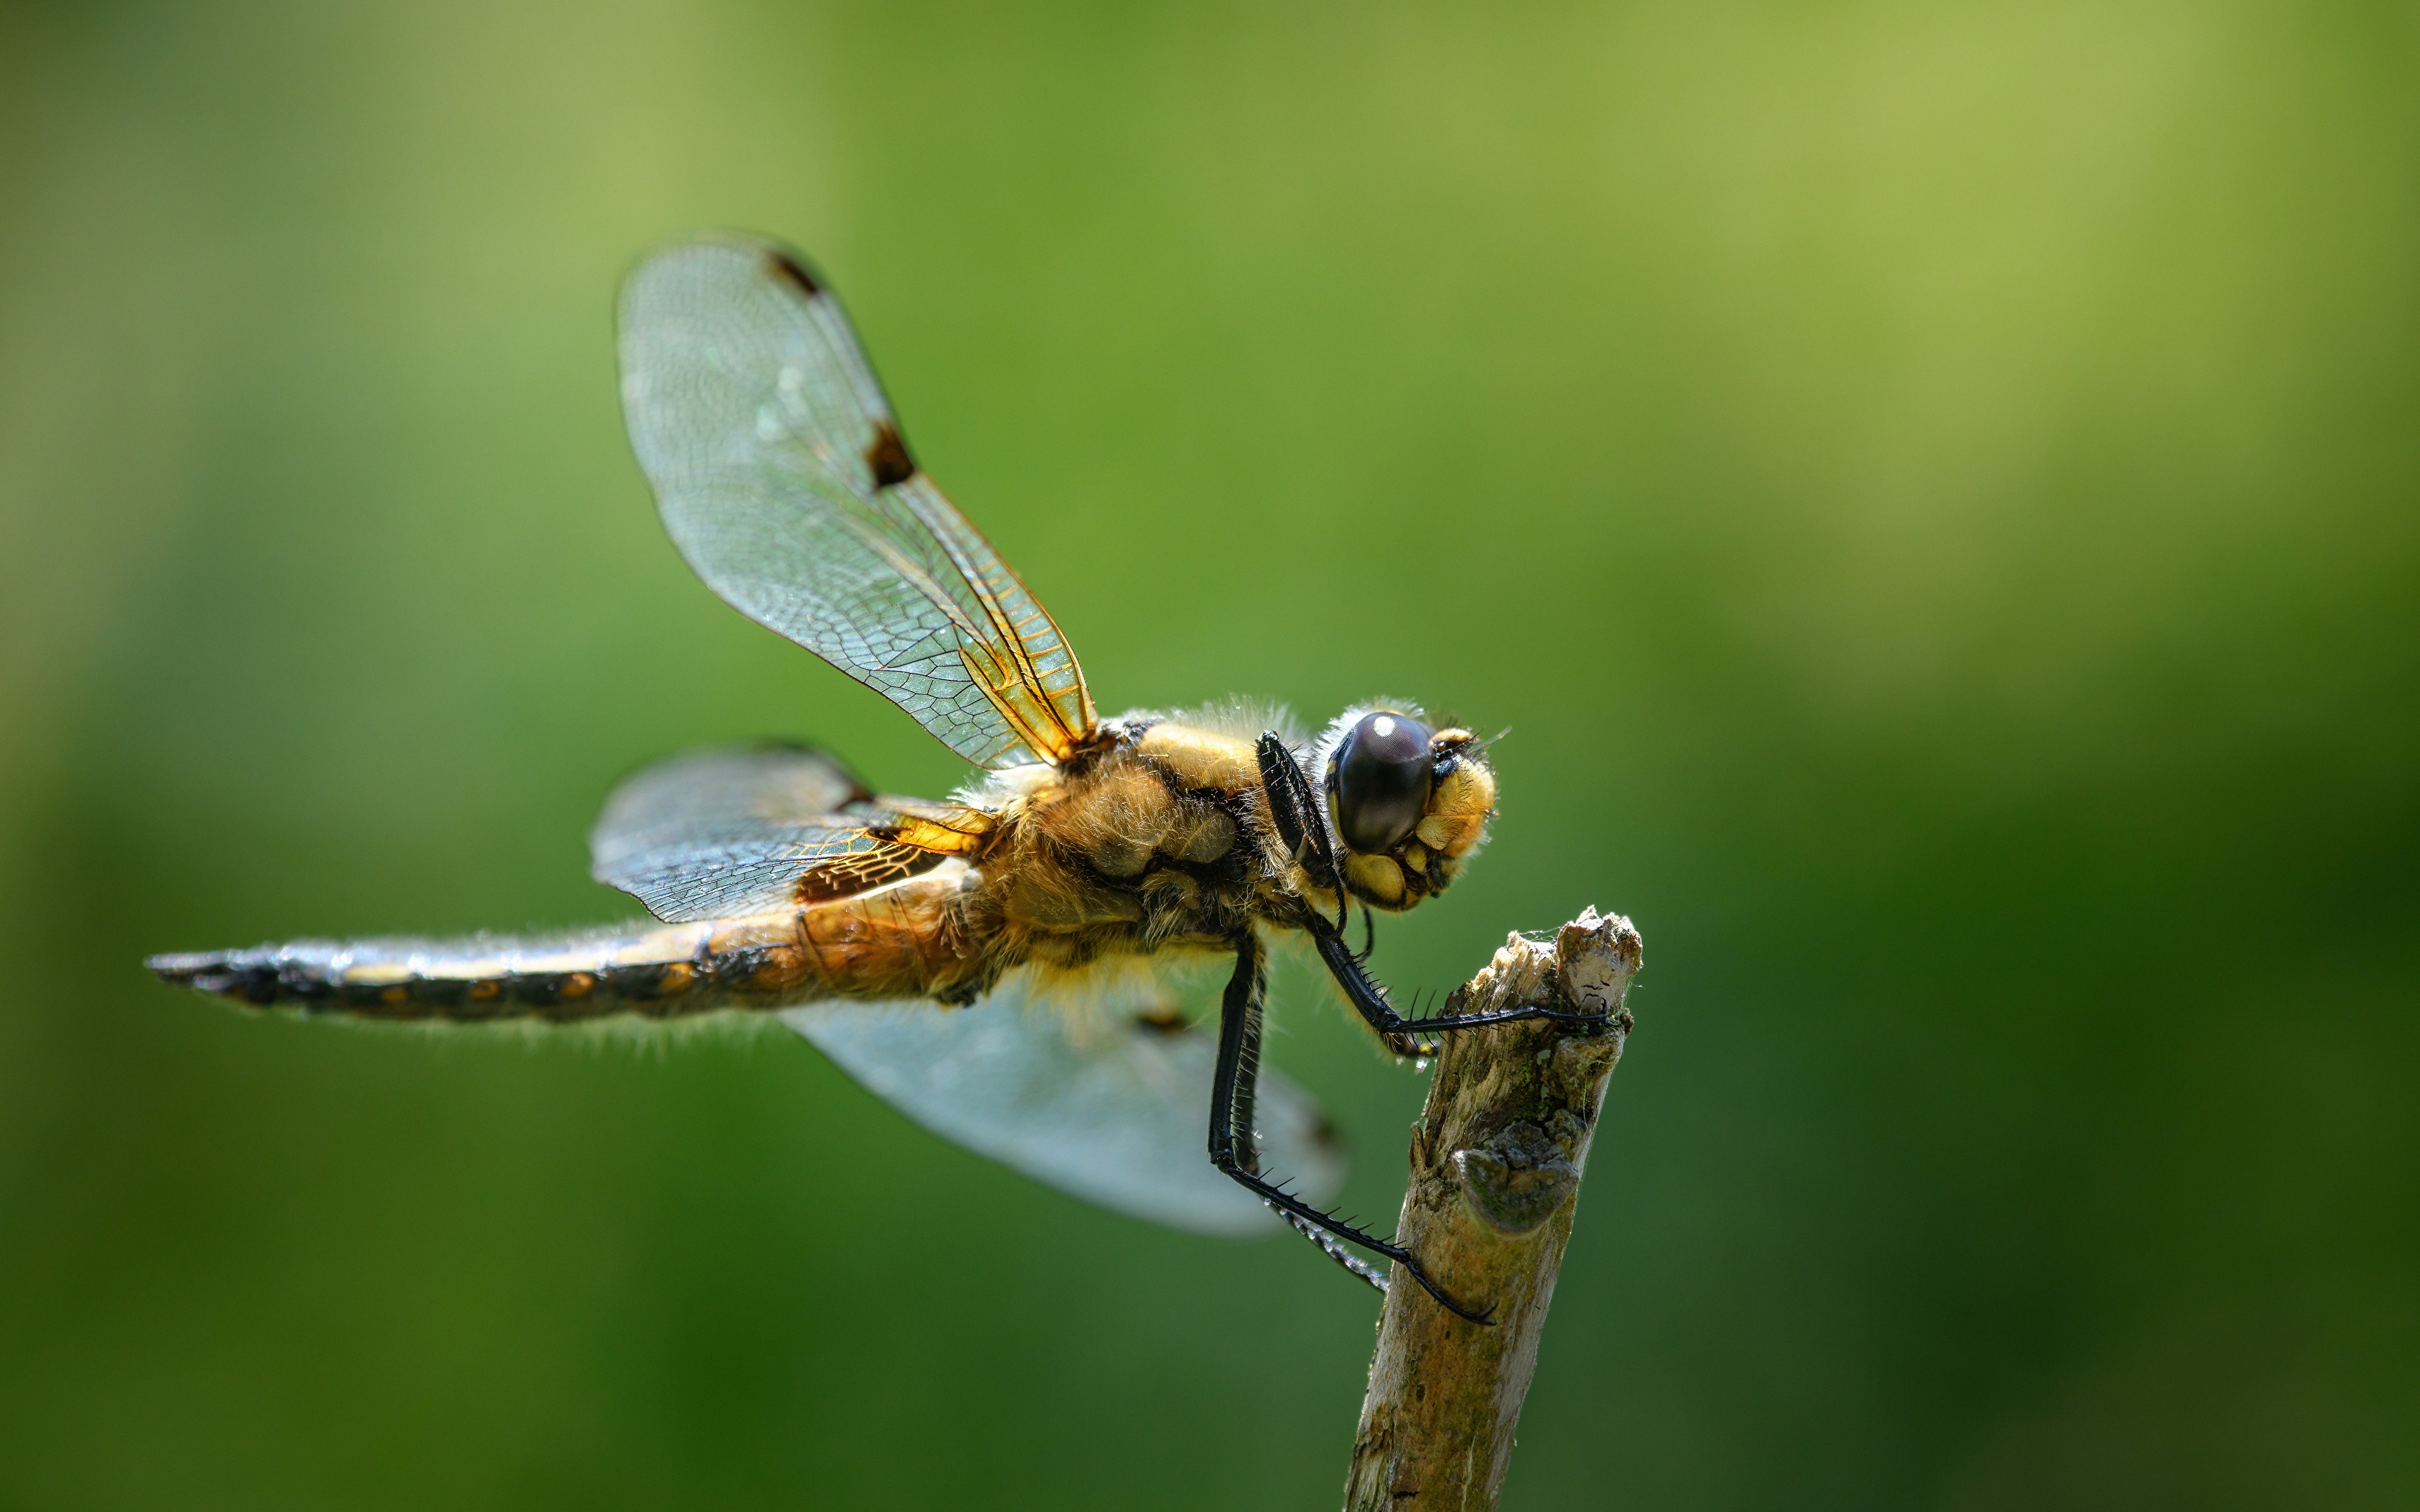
[[1382, 781]]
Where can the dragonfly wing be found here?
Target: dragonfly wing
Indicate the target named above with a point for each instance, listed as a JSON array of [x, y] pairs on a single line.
[[719, 787], [777, 867], [1103, 1103], [782, 475], [743, 830]]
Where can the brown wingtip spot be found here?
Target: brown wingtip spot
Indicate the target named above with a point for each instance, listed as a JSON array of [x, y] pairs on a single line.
[[792, 271], [887, 454]]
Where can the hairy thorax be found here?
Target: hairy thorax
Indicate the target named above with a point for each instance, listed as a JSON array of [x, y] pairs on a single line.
[[1161, 842], [1153, 846]]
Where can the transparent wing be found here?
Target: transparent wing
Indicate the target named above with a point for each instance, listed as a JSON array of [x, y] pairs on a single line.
[[782, 477], [743, 830], [778, 867], [1107, 1101], [721, 788]]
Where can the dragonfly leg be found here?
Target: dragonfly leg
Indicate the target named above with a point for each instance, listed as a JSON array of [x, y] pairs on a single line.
[[1301, 824], [1330, 1245], [1235, 1152], [1369, 999], [1302, 827]]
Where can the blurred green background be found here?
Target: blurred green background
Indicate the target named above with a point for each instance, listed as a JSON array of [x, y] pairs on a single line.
[[1931, 488]]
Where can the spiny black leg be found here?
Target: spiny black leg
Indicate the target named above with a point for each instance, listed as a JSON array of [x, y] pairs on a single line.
[[1235, 1152], [1301, 821], [1370, 1000], [1234, 1086], [1411, 1047], [1236, 1081], [1330, 1248], [1243, 1125], [1302, 826]]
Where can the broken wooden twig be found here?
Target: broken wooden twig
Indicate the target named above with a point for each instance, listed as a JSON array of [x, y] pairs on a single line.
[[1496, 1159]]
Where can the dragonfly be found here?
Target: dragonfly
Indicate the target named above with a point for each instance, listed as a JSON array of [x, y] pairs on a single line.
[[995, 965]]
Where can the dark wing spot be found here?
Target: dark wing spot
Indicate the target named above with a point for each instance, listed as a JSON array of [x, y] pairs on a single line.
[[887, 454], [792, 271]]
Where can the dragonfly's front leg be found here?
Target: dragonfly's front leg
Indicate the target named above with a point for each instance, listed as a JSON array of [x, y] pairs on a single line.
[[1302, 826], [1369, 999], [1236, 1149]]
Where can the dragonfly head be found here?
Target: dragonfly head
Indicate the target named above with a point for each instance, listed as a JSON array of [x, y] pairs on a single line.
[[1410, 802]]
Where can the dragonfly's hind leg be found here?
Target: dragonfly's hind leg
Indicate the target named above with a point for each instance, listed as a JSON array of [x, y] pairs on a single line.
[[1235, 1149], [1332, 1248]]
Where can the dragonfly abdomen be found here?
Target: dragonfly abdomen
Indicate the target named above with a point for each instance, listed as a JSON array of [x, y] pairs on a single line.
[[902, 941], [654, 970]]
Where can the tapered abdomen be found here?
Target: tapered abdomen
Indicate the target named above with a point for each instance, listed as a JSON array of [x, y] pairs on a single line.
[[900, 942]]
